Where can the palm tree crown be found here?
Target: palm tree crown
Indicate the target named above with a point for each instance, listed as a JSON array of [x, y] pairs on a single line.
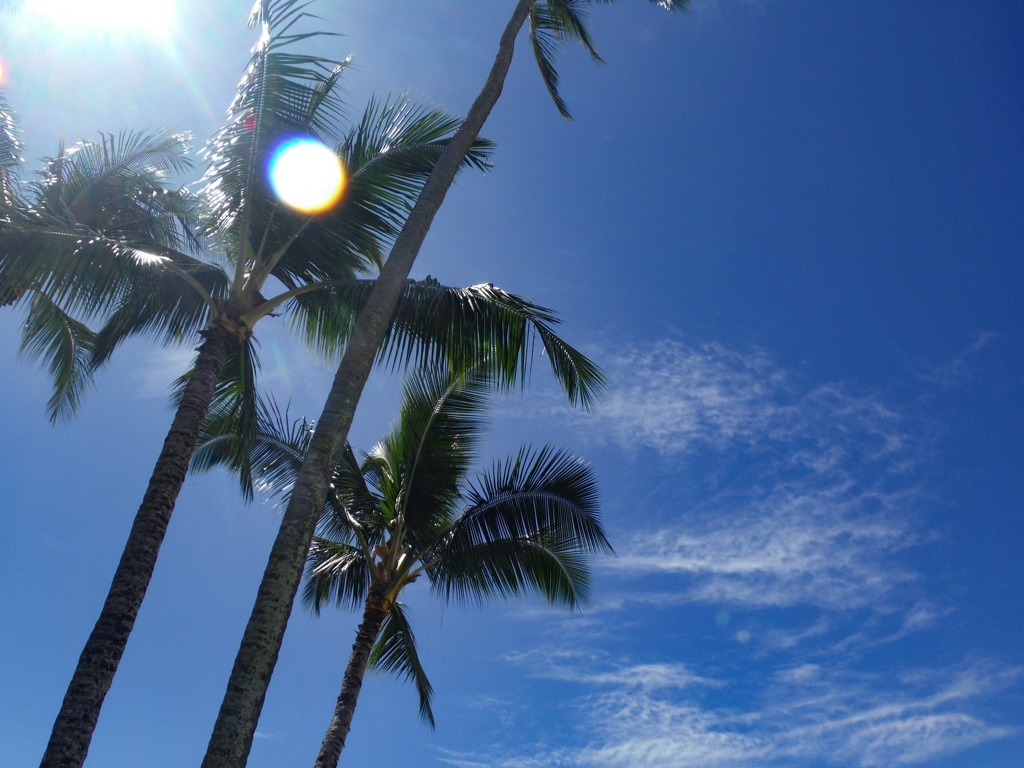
[[408, 510]]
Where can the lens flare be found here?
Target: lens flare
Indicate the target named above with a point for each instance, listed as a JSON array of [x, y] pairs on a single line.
[[306, 175]]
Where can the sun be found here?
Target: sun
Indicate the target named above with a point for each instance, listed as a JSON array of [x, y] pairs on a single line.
[[108, 17]]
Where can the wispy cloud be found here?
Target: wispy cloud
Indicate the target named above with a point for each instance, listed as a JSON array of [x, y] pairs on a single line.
[[830, 547], [797, 506], [807, 495], [161, 368], [957, 370], [677, 397], [801, 715]]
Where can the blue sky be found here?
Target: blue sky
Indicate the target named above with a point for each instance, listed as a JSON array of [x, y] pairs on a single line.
[[791, 232]]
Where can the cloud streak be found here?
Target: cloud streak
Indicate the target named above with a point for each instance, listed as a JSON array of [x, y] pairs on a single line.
[[806, 715], [796, 507], [790, 495]]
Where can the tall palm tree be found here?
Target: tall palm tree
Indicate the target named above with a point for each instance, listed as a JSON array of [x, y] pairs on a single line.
[[551, 22], [103, 234], [91, 204], [406, 510]]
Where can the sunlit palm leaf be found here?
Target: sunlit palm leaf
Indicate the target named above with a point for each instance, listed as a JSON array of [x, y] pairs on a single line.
[[336, 572], [388, 156], [280, 95], [85, 233], [11, 154]]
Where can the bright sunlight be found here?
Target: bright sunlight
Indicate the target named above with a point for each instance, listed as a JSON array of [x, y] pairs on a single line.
[[110, 17], [307, 175]]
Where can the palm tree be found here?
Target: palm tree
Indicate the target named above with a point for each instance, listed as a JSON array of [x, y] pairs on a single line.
[[551, 22], [103, 235], [90, 201], [406, 510]]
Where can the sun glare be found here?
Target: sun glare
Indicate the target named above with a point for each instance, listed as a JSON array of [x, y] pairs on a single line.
[[306, 175], [151, 17]]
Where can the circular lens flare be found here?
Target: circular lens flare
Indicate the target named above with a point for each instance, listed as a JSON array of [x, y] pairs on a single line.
[[306, 175]]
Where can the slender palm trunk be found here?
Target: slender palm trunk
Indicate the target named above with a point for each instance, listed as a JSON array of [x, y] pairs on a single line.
[[233, 732], [76, 721], [374, 612]]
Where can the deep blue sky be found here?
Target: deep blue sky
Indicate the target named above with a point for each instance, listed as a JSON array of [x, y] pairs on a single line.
[[792, 234]]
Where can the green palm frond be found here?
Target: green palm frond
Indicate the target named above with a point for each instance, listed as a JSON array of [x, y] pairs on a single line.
[[551, 24], [442, 419], [265, 454], [118, 186], [529, 524], [395, 652], [98, 218], [555, 22], [353, 504], [581, 379], [173, 301], [436, 325], [65, 346], [336, 572], [511, 567]]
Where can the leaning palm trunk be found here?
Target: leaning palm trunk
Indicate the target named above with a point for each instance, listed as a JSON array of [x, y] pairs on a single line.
[[374, 613], [235, 727], [80, 710]]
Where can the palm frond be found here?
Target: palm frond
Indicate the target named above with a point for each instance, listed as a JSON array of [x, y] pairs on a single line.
[[508, 568], [529, 524], [555, 22], [460, 328], [443, 415], [11, 150], [395, 652], [171, 301], [250, 435], [65, 346], [281, 95], [119, 186], [98, 219], [353, 504], [336, 572]]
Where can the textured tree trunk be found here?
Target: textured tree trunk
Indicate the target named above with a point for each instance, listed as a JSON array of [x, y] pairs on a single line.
[[374, 613], [235, 727], [76, 721]]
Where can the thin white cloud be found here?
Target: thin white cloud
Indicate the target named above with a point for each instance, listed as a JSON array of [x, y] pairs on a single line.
[[957, 370], [677, 398], [592, 668], [795, 546], [805, 495], [802, 715], [674, 397], [162, 367], [790, 505]]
